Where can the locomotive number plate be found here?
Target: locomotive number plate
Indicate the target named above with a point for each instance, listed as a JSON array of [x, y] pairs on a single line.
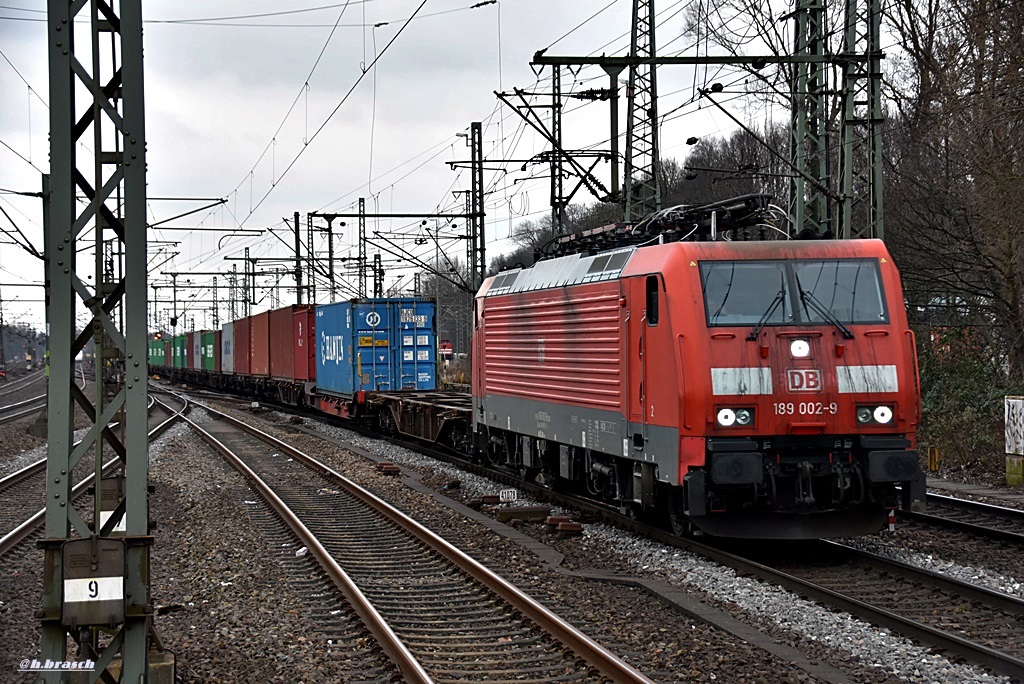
[[805, 408]]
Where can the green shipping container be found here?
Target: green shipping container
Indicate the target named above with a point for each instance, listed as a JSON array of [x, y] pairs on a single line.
[[179, 348], [208, 350], [156, 353]]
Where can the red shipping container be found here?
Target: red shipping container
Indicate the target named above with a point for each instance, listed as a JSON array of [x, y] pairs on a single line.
[[242, 345], [190, 360], [281, 364], [259, 344], [304, 339], [216, 351]]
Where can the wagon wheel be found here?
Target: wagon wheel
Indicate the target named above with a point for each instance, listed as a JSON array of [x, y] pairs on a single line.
[[385, 424]]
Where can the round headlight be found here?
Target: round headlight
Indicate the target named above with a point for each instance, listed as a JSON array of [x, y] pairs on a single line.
[[800, 349], [744, 416], [726, 417], [863, 415], [883, 414]]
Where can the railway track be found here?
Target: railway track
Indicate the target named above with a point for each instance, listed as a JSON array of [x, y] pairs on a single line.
[[438, 614], [17, 385], [973, 517], [964, 621], [21, 491], [974, 623], [10, 412]]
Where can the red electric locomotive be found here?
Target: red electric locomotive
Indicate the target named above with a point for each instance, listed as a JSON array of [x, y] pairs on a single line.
[[761, 389]]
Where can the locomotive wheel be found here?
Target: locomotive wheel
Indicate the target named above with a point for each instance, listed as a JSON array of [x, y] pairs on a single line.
[[677, 519]]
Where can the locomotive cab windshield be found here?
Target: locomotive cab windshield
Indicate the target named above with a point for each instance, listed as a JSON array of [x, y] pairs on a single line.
[[809, 292]]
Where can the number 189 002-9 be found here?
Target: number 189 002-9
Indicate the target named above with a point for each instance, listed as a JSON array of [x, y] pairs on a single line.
[[805, 408]]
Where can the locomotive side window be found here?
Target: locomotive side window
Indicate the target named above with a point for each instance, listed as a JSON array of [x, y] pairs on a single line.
[[652, 300], [793, 292]]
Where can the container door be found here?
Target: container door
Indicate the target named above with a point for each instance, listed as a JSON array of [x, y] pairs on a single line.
[[335, 363], [373, 347], [416, 349]]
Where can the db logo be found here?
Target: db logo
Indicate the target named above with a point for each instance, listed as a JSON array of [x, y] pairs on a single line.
[[803, 380]]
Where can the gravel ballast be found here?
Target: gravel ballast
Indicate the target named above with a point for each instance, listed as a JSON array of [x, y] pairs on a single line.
[[873, 654], [231, 613]]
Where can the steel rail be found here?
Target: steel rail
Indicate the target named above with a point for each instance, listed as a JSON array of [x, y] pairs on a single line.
[[19, 533], [972, 592], [1011, 515], [32, 468], [21, 414], [976, 653], [19, 404], [22, 383], [17, 476], [593, 653], [411, 669]]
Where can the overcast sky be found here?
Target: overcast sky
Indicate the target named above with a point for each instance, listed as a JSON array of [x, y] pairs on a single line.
[[219, 92]]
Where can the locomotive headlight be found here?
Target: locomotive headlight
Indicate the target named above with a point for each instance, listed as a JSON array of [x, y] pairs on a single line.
[[738, 417], [800, 349], [877, 415]]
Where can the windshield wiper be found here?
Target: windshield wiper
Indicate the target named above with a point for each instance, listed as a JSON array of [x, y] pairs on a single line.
[[809, 300], [767, 315]]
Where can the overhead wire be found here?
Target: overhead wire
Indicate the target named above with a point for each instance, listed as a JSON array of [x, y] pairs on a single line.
[[330, 116], [298, 96]]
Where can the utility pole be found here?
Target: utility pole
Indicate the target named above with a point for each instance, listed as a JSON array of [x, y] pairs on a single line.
[[233, 296], [3, 342], [174, 299], [861, 214], [558, 201], [362, 247], [613, 97], [478, 263], [808, 149], [250, 284], [330, 218], [298, 260], [378, 277], [642, 184], [96, 576], [216, 313]]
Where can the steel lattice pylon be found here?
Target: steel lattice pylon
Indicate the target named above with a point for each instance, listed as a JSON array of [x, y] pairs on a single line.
[[861, 159], [478, 263], [97, 573], [641, 186], [808, 205]]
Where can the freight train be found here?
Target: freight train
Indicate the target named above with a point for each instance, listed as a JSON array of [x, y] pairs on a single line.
[[753, 389]]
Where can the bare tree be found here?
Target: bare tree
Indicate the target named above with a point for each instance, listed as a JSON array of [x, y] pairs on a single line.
[[955, 198]]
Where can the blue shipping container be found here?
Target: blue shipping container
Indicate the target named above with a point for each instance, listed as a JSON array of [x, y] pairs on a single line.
[[376, 345]]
